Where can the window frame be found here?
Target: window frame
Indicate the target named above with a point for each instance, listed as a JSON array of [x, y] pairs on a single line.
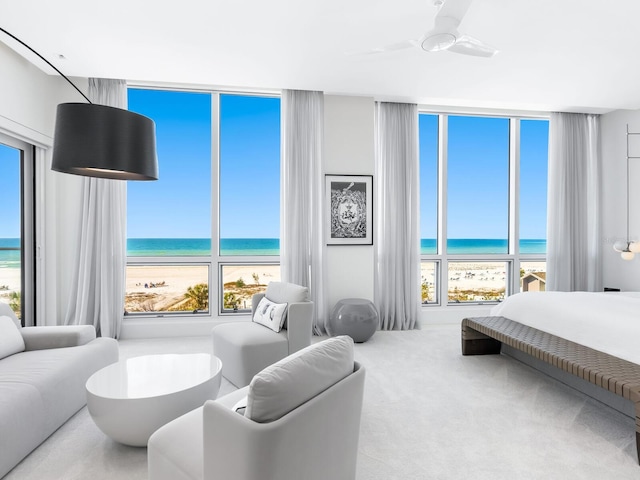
[[215, 261], [513, 257], [27, 227]]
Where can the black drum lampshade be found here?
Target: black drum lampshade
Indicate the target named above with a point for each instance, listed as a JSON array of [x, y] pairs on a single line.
[[106, 142]]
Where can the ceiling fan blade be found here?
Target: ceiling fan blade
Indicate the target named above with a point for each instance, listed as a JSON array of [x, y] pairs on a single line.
[[467, 45], [454, 9], [388, 48]]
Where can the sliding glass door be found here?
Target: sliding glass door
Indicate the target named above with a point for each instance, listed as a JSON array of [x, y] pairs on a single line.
[[17, 253]]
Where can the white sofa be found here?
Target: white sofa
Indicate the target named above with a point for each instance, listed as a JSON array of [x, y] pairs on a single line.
[[43, 371], [301, 421]]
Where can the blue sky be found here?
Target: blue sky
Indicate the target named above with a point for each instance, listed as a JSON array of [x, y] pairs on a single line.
[[478, 177], [9, 192], [178, 205]]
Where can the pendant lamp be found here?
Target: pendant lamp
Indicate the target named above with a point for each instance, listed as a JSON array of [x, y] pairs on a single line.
[[100, 141]]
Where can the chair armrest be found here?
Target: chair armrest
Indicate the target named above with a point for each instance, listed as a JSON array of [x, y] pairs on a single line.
[[227, 438], [41, 338], [299, 325], [255, 300]]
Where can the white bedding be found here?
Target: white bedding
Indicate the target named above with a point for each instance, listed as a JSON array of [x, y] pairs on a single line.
[[609, 322]]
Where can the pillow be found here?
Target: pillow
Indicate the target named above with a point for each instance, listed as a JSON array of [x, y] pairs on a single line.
[[270, 314], [5, 310], [282, 292], [10, 339], [296, 379]]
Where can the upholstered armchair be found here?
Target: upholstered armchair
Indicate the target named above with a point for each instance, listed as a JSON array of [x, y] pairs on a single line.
[[298, 419], [245, 348]]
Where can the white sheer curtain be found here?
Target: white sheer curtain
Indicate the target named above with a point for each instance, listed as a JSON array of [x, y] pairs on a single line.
[[397, 253], [98, 287], [302, 240], [573, 218]]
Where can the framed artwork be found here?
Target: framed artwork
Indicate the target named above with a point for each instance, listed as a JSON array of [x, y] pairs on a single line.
[[349, 217]]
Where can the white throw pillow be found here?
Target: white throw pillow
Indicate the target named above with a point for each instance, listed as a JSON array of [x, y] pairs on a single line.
[[282, 292], [270, 314], [296, 379], [11, 340]]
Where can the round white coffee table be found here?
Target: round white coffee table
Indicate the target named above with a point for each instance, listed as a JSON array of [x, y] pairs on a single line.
[[131, 399]]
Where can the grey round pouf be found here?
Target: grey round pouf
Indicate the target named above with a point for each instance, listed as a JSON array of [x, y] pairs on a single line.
[[356, 317]]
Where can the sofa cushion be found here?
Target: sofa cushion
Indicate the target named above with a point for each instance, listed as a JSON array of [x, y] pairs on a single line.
[[294, 380], [270, 314], [10, 339], [22, 420], [5, 310], [59, 376]]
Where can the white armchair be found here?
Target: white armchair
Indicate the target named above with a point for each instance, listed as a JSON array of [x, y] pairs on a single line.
[[302, 421], [245, 348]]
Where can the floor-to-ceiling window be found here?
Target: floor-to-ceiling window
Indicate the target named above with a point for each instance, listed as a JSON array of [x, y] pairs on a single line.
[[205, 237], [483, 206], [249, 207], [17, 251]]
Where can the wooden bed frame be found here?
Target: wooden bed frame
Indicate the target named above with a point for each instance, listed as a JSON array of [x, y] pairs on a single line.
[[486, 335]]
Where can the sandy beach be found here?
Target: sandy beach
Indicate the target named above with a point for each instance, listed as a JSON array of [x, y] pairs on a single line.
[[474, 281], [9, 283], [163, 287], [10, 278]]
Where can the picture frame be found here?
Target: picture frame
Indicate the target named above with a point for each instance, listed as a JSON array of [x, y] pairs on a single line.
[[349, 209]]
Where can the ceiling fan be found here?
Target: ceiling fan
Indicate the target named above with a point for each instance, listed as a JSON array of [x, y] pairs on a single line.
[[445, 35]]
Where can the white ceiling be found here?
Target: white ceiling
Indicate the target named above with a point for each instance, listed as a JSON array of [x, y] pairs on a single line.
[[555, 55]]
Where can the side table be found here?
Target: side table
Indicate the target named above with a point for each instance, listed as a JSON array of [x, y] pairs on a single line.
[[356, 317]]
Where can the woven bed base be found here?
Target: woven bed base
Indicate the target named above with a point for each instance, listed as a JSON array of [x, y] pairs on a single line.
[[485, 335]]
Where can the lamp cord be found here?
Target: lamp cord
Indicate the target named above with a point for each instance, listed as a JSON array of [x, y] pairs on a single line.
[[47, 62]]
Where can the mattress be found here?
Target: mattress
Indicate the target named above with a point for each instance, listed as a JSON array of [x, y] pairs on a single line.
[[608, 322]]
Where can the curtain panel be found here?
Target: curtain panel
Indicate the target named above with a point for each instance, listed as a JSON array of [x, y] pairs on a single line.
[[302, 250], [98, 286], [397, 246], [573, 219]]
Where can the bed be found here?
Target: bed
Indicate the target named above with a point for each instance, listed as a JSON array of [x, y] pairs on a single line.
[[587, 340]]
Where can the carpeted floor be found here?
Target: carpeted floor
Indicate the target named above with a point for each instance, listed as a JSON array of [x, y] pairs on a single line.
[[429, 413]]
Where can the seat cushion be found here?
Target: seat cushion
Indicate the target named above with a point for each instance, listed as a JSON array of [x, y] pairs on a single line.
[[245, 348], [175, 451], [296, 379], [22, 422], [247, 334]]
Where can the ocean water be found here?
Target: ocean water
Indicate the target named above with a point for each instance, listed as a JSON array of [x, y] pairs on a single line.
[[475, 246], [154, 247], [9, 253], [150, 247]]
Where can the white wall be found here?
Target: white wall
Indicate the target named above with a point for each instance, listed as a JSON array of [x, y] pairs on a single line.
[[349, 150], [28, 100], [617, 272]]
